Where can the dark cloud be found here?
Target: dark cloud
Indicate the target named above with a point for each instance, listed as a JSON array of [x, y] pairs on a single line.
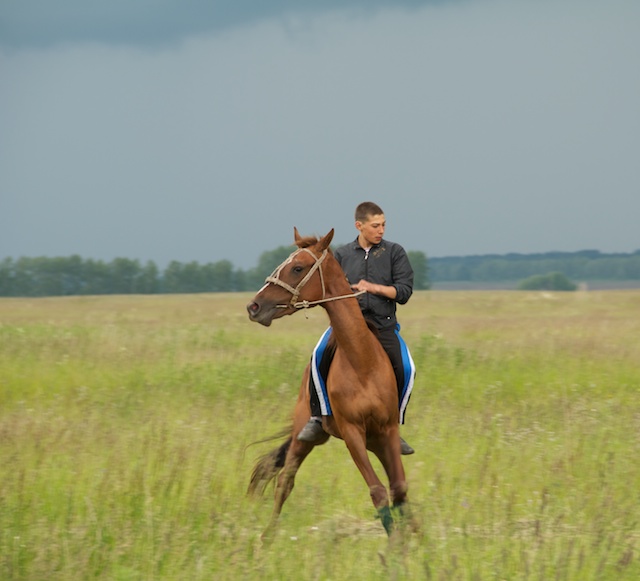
[[481, 127], [43, 23]]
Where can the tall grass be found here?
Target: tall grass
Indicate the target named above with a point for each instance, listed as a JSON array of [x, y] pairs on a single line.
[[126, 424]]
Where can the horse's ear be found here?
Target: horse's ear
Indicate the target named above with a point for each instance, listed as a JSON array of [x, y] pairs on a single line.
[[296, 235], [324, 243]]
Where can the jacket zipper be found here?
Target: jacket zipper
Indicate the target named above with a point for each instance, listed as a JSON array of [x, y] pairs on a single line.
[[366, 271]]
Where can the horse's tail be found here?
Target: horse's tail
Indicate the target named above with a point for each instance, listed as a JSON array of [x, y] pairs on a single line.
[[267, 468]]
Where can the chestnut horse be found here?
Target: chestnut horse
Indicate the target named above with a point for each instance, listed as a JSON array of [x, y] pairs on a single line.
[[361, 384]]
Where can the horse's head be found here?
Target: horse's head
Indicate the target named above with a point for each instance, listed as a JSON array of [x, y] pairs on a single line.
[[296, 283]]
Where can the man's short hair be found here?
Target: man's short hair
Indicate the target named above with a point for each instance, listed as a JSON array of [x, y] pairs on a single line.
[[366, 209]]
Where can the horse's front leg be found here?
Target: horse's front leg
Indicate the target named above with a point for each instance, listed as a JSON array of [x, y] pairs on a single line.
[[387, 449], [354, 438]]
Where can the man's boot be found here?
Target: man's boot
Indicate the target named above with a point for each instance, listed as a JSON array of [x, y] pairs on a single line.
[[312, 431], [405, 449]]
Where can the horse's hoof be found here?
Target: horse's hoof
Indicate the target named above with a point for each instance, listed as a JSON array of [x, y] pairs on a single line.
[[384, 514]]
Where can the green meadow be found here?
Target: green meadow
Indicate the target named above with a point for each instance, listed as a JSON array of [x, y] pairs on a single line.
[[129, 426]]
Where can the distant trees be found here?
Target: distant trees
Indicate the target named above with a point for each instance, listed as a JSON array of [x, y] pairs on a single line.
[[73, 275], [36, 277], [553, 281], [420, 266], [583, 265]]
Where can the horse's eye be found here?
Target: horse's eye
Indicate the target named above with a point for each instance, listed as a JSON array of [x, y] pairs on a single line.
[[297, 269]]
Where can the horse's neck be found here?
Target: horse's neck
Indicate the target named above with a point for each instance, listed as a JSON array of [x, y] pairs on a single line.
[[351, 331], [346, 319]]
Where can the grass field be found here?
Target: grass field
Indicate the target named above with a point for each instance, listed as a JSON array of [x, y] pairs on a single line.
[[125, 425]]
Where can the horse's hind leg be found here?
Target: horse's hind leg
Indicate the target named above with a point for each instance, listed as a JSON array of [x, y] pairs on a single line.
[[296, 454]]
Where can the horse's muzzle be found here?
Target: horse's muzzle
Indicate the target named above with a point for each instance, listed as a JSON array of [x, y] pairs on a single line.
[[257, 314]]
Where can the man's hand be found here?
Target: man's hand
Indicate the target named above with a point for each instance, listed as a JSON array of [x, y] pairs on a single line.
[[375, 289]]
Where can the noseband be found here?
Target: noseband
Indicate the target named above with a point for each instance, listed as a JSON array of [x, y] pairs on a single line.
[[295, 292]]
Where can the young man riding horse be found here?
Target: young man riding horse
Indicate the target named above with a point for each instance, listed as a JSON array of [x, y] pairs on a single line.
[[381, 271]]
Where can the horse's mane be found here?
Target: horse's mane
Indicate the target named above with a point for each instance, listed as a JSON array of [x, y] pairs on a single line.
[[306, 241]]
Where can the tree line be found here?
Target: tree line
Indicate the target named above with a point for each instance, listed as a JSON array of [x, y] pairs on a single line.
[[73, 275], [584, 265]]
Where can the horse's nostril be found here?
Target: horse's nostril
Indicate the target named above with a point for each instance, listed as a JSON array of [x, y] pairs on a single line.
[[253, 307]]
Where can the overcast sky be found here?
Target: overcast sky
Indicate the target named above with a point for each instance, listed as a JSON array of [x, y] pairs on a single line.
[[191, 130]]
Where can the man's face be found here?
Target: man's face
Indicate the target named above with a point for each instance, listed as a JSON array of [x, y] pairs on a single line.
[[372, 230]]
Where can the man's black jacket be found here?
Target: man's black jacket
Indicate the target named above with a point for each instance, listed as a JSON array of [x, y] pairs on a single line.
[[386, 263]]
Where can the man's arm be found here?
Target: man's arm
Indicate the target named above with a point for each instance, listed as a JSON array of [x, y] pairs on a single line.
[[389, 292], [402, 274]]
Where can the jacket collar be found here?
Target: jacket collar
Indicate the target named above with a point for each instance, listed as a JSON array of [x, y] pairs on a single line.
[[356, 245]]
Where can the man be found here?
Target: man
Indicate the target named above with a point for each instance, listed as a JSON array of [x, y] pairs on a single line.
[[381, 269]]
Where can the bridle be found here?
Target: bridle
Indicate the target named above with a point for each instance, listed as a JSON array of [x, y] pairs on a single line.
[[274, 278]]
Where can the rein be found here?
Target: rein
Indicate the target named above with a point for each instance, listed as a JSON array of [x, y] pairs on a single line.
[[295, 292]]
